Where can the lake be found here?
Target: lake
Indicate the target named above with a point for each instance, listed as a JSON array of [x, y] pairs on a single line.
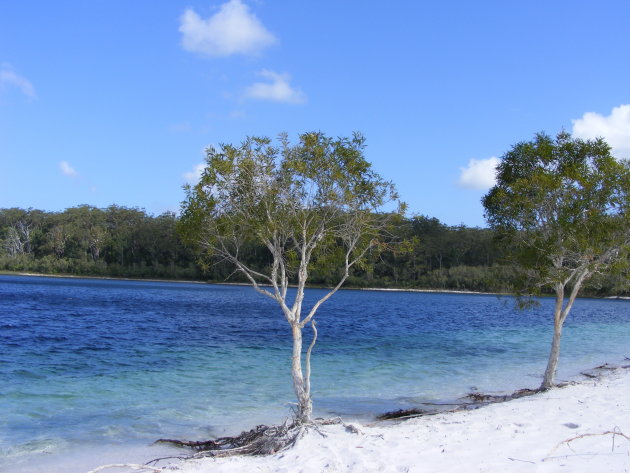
[[93, 371]]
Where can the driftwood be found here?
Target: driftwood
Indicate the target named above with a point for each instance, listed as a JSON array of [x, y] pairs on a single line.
[[490, 398], [402, 414], [470, 401], [615, 433], [481, 398], [598, 371], [478, 399]]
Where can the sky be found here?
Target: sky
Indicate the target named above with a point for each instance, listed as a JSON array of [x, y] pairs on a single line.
[[113, 102]]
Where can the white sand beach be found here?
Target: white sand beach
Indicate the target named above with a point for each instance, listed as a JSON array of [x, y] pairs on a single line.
[[582, 427]]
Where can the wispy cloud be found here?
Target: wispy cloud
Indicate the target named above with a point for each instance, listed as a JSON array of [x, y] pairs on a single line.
[[10, 78], [192, 177], [278, 89], [614, 128], [232, 30], [184, 127], [67, 170], [479, 174]]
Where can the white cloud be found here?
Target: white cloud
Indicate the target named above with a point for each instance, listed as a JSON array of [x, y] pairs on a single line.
[[67, 170], [232, 30], [192, 177], [278, 90], [479, 174], [614, 128], [8, 77]]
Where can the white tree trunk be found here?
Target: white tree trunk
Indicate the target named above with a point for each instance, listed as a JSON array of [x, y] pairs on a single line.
[[302, 390], [559, 316], [554, 354]]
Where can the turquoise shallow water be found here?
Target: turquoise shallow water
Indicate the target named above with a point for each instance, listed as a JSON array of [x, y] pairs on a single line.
[[92, 371]]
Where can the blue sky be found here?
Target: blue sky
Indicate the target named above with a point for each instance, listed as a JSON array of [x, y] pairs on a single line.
[[114, 101]]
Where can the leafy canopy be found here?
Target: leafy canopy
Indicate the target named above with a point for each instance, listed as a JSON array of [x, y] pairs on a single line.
[[314, 201], [563, 205]]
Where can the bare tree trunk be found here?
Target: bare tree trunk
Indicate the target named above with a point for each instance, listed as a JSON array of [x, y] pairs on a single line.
[[302, 390], [559, 316], [554, 354]]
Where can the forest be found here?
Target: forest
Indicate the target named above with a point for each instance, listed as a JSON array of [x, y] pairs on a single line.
[[128, 242]]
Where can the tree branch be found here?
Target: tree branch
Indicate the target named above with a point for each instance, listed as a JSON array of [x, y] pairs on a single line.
[[574, 292], [348, 265], [307, 362]]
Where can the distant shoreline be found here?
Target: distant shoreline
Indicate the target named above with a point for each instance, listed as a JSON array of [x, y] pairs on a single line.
[[191, 281], [441, 291], [105, 278], [347, 288]]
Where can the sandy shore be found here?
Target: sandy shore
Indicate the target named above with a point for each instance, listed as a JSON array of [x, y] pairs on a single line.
[[530, 434]]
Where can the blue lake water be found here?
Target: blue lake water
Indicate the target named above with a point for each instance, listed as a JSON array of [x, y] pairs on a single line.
[[93, 371]]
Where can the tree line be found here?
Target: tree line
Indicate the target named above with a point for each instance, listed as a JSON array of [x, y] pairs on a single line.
[[128, 242], [115, 241]]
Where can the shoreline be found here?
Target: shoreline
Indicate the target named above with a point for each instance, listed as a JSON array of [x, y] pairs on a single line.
[[370, 447], [568, 428]]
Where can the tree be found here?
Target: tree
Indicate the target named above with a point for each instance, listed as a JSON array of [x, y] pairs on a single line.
[[308, 204], [563, 208], [58, 239], [23, 228]]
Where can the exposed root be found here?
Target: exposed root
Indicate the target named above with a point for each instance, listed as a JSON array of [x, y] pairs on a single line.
[[262, 440]]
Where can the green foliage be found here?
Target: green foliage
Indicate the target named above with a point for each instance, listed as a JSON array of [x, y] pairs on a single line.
[[562, 207], [311, 202]]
